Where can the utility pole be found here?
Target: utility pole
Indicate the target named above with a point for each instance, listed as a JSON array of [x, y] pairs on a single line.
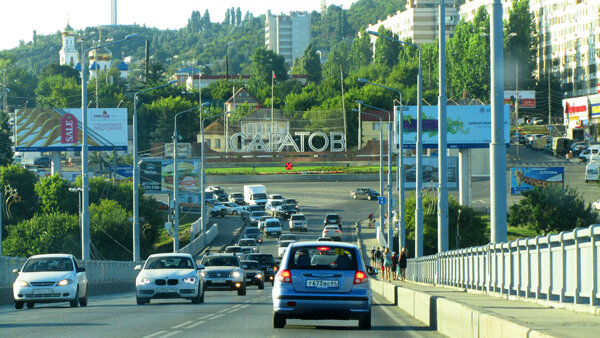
[[442, 212], [344, 109]]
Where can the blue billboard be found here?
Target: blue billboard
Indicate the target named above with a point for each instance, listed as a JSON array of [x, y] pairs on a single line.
[[527, 178]]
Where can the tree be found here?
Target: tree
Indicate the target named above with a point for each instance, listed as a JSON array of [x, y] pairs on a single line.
[[361, 51], [57, 91], [551, 209], [386, 51], [20, 200], [55, 197], [521, 46], [65, 71], [163, 111], [44, 233], [337, 60], [310, 64], [111, 231], [6, 152], [264, 62]]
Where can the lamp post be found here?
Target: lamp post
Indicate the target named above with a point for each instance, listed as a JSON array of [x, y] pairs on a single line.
[[176, 184], [85, 218], [390, 237], [202, 163], [381, 212], [513, 34], [419, 150], [136, 174], [399, 117]]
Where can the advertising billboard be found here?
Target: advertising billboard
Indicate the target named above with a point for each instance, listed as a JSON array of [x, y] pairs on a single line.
[[59, 129], [156, 175], [430, 172], [527, 98], [527, 178], [468, 126]]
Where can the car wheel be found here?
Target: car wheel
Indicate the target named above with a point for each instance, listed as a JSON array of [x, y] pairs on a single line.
[[83, 301], [141, 301], [242, 290], [30, 305], [234, 213], [199, 298], [278, 320], [272, 282], [18, 305], [354, 196], [75, 302], [364, 322], [261, 285]]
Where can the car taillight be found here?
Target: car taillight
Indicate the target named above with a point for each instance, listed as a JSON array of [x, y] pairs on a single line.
[[337, 231], [285, 276], [360, 277]]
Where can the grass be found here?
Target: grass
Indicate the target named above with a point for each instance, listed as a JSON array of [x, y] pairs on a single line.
[[165, 242]]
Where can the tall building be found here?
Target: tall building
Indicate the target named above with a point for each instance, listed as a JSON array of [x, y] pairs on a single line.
[[468, 10], [113, 12], [419, 23], [68, 53], [288, 35]]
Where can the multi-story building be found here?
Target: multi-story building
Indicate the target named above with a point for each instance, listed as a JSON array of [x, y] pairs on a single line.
[[288, 35], [419, 23], [468, 10]]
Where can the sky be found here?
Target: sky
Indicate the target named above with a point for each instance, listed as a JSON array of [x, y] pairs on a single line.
[[21, 17]]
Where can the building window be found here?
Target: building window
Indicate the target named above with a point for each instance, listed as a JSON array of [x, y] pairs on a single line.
[[218, 143], [208, 143], [375, 126]]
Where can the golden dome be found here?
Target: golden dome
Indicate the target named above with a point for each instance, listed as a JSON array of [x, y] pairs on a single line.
[[100, 54], [68, 30]]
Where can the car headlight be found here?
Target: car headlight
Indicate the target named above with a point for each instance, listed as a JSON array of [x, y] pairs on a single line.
[[235, 274], [258, 275], [143, 280], [191, 280], [202, 273], [65, 282], [23, 283]]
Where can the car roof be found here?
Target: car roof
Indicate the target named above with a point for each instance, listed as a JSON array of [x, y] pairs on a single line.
[[228, 254], [332, 226], [170, 254], [287, 241], [61, 255], [297, 215], [333, 244]]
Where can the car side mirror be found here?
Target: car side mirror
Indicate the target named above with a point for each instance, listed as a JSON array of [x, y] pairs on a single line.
[[200, 267], [137, 268], [15, 271], [80, 269], [371, 271]]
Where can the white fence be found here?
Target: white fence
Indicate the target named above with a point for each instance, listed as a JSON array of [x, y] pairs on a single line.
[[201, 241], [561, 268]]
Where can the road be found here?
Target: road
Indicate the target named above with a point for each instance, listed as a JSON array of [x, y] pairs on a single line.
[[224, 314]]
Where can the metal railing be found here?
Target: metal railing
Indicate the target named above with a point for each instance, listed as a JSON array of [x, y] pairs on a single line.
[[201, 241], [560, 268]]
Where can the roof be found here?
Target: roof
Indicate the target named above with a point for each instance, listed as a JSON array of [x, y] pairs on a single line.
[[383, 115], [189, 70], [242, 96], [122, 66], [77, 67], [170, 254], [333, 244], [51, 255]]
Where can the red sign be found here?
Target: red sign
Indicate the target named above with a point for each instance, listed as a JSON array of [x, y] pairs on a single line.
[[288, 166], [68, 129]]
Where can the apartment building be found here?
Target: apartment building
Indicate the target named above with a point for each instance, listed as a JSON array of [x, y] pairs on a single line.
[[419, 23], [288, 35]]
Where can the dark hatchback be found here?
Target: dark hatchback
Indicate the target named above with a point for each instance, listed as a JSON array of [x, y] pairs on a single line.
[[267, 264]]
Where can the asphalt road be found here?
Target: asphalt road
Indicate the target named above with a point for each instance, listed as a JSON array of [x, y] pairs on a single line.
[[224, 314]]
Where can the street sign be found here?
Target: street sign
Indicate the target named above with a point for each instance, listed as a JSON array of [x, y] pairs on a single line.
[[381, 200], [288, 165]]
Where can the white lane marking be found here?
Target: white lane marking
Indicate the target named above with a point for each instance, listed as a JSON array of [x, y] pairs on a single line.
[[205, 317], [232, 311], [224, 310], [244, 306], [171, 334], [182, 324], [196, 324], [235, 306], [217, 316], [156, 334]]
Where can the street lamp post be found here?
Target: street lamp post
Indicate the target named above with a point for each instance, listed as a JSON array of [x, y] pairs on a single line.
[[399, 117], [390, 237], [202, 164], [419, 150], [136, 174], [85, 217]]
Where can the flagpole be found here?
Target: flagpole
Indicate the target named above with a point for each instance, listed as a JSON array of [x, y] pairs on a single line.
[[272, 103]]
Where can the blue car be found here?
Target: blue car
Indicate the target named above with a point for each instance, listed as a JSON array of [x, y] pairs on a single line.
[[322, 280]]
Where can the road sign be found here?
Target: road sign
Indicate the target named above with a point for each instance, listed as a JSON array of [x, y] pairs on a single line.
[[288, 165], [381, 200]]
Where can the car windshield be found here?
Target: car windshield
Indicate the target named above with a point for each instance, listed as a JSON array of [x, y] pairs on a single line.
[[287, 237], [323, 257], [247, 242], [332, 218], [235, 195], [251, 265], [251, 231], [247, 249], [171, 262], [272, 223], [220, 261], [256, 208], [263, 259], [233, 249], [48, 264], [276, 197], [298, 218], [284, 244], [258, 213], [276, 203], [290, 201], [259, 196], [289, 208]]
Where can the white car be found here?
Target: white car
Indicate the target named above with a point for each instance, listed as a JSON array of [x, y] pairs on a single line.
[[50, 279], [332, 231], [169, 275], [275, 197], [273, 207], [272, 227], [283, 245], [596, 205], [298, 222], [232, 208]]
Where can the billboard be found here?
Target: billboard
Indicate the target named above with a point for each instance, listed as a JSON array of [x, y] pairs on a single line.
[[430, 172], [59, 129], [156, 175], [527, 178], [468, 126], [527, 98]]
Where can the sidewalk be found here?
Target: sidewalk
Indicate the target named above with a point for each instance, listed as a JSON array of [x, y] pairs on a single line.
[[529, 318]]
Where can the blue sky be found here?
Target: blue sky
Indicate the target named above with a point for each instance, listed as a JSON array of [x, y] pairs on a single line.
[[21, 17]]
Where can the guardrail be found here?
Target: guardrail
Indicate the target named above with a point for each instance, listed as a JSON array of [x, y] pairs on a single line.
[[201, 241], [560, 268]]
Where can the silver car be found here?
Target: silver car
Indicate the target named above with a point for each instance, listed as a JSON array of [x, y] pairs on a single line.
[[224, 272], [318, 280]]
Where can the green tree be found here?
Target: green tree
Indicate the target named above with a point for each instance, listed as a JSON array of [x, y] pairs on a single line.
[[44, 233], [57, 91], [264, 62], [337, 60], [386, 51], [163, 111], [65, 71], [310, 64], [520, 45], [361, 51], [6, 152], [54, 195], [551, 209], [20, 200], [111, 231]]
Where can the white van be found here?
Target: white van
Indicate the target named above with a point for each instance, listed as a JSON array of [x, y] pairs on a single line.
[[590, 151], [592, 171]]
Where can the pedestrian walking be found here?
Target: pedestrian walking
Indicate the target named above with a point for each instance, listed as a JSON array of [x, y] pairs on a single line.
[[402, 264], [394, 266], [373, 254], [371, 220], [387, 264]]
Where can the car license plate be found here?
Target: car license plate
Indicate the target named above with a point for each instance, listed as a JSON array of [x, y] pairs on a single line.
[[165, 290], [219, 281], [321, 284], [42, 291]]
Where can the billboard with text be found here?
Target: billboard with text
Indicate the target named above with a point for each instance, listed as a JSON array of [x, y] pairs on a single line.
[[60, 129], [156, 175], [526, 178]]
